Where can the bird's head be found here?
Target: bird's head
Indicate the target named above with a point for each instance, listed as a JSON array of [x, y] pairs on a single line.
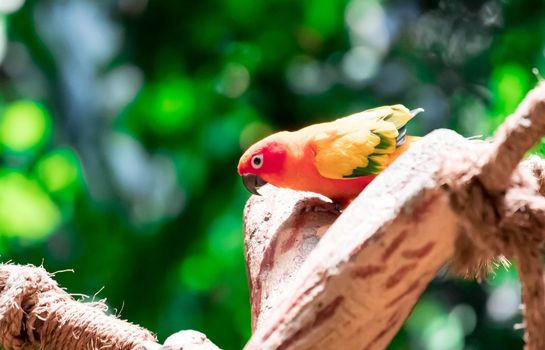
[[262, 161]]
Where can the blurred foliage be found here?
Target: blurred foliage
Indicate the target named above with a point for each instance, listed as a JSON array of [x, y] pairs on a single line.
[[121, 122]]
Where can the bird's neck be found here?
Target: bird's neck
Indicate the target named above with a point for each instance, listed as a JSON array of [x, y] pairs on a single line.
[[298, 166]]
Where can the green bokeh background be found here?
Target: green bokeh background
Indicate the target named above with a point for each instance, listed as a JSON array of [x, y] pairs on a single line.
[[121, 123]]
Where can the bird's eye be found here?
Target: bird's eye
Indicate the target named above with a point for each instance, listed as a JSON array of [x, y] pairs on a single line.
[[257, 161]]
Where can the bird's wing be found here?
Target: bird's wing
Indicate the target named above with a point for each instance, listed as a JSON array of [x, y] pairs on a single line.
[[360, 144]]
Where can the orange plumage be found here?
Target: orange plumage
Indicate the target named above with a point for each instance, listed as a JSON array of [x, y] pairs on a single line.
[[337, 159]]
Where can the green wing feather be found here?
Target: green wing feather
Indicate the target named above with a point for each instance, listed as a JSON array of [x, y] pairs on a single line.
[[376, 161]]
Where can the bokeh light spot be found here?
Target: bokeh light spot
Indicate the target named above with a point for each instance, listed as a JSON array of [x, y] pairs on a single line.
[[466, 316], [3, 37], [306, 75], [9, 6], [424, 313], [234, 80], [510, 83], [444, 333], [367, 23], [432, 328], [360, 63], [24, 125], [323, 16], [26, 211], [59, 170], [170, 105], [503, 303]]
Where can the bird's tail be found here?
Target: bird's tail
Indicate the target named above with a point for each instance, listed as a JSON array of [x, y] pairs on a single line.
[[400, 117], [416, 111]]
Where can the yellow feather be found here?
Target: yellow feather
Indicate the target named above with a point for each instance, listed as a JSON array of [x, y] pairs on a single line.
[[353, 142], [338, 156]]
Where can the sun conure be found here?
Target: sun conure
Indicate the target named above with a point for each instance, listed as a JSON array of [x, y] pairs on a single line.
[[337, 159]]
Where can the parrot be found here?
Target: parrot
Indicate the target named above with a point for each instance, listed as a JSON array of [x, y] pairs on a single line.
[[337, 159]]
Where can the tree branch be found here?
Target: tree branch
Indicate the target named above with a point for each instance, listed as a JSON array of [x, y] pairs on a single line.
[[513, 139]]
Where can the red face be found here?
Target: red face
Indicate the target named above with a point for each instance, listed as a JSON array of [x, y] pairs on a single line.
[[261, 159], [265, 157]]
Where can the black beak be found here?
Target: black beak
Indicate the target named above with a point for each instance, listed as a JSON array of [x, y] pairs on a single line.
[[252, 183]]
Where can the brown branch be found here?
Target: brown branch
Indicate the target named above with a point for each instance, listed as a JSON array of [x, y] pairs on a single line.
[[298, 221], [513, 139], [506, 216], [530, 269]]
